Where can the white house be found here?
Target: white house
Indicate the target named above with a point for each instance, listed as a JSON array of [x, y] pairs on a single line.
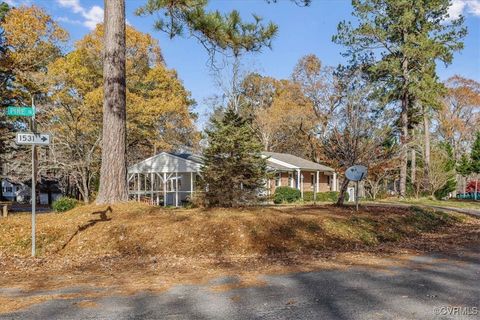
[[21, 192], [10, 190], [170, 178]]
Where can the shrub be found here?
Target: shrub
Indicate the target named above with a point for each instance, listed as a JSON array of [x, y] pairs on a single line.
[[286, 194], [63, 204], [329, 196]]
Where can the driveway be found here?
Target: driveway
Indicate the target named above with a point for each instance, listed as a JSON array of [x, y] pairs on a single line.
[[435, 286]]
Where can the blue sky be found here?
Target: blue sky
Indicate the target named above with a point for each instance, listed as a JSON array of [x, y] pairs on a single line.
[[301, 31]]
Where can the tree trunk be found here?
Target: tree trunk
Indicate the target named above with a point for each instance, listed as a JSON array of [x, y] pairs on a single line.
[[404, 129], [426, 137], [404, 147], [113, 173], [413, 165], [86, 189], [426, 126], [343, 189]]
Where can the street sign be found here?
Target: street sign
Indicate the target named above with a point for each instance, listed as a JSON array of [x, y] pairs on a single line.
[[25, 138], [20, 111]]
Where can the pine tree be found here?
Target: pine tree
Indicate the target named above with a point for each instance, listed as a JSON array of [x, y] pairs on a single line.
[[113, 174], [463, 168], [475, 160], [398, 43], [234, 171], [215, 31], [449, 168]]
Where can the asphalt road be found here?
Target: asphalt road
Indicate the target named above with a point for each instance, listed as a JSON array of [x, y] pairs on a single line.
[[426, 287]]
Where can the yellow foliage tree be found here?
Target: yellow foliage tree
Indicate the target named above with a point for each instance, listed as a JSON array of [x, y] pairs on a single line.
[[159, 113], [282, 115], [33, 40]]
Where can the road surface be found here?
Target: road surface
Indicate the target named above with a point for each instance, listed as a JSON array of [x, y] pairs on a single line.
[[425, 287]]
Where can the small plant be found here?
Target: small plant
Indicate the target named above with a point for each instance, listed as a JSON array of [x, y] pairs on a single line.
[[286, 194], [63, 204]]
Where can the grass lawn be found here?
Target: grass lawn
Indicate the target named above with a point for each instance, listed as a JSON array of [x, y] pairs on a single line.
[[453, 203], [135, 247]]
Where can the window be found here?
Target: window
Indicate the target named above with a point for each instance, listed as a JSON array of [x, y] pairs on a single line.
[[314, 182], [290, 179], [9, 189], [278, 180]]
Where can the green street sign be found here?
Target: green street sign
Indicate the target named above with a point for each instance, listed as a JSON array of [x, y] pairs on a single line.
[[20, 111]]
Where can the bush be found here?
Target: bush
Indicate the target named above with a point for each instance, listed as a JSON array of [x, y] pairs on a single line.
[[443, 193], [286, 194], [63, 204], [329, 196]]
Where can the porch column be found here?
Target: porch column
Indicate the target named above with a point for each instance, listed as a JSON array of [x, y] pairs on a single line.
[[301, 186], [191, 184], [164, 189], [334, 187], [317, 182], [138, 187], [176, 189], [151, 187], [298, 179]]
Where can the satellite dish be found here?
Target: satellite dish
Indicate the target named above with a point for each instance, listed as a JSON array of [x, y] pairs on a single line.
[[356, 173]]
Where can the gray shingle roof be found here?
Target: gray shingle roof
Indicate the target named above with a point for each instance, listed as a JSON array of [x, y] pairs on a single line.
[[189, 156], [297, 162]]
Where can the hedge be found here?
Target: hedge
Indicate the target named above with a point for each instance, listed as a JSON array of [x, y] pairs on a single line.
[[286, 194], [329, 196]]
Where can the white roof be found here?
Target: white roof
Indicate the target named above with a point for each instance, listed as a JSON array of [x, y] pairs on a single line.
[[165, 162]]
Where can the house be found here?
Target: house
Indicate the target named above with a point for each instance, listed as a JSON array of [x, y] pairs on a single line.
[[48, 191], [299, 173], [10, 189], [171, 178]]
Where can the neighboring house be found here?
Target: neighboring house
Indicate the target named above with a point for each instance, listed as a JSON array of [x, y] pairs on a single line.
[[48, 191], [10, 189], [170, 178], [299, 173]]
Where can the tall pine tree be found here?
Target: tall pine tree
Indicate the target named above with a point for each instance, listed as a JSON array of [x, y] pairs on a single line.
[[234, 170], [398, 42]]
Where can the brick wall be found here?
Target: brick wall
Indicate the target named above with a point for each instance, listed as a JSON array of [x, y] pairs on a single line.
[[307, 181]]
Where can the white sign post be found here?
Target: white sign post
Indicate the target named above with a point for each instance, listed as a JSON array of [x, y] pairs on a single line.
[[34, 139], [356, 173]]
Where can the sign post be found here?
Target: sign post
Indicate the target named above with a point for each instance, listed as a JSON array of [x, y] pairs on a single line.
[[34, 139]]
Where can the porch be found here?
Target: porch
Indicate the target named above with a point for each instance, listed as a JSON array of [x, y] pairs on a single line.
[[167, 179]]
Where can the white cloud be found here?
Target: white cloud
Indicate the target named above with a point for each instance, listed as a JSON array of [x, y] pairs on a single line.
[[459, 7], [74, 4], [92, 16], [474, 7], [68, 20]]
